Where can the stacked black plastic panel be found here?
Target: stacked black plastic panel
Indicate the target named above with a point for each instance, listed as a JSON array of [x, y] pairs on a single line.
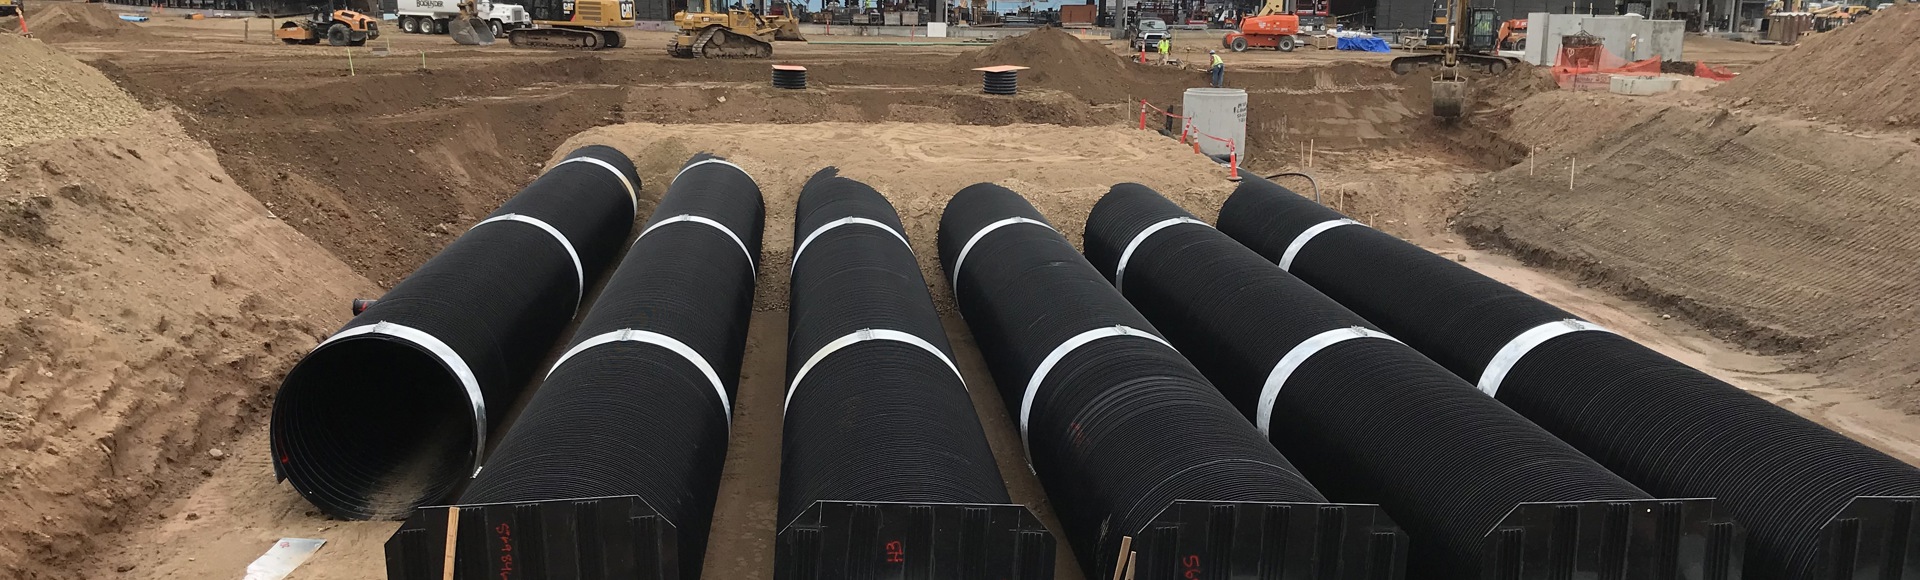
[[1368, 419], [611, 469], [392, 412], [878, 420], [1131, 442], [1669, 428]]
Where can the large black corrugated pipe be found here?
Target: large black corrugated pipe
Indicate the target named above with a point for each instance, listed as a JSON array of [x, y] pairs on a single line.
[[611, 468], [1368, 419], [1139, 453], [885, 469], [393, 410], [1669, 428]]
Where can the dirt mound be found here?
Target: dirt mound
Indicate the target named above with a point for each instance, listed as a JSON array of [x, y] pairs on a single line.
[[68, 21], [1780, 236], [1058, 60], [1867, 74], [49, 95], [150, 307]]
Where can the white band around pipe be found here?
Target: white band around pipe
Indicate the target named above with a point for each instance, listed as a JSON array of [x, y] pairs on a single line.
[[579, 272], [962, 258], [716, 160], [633, 195], [864, 335], [1061, 352], [1510, 355], [1300, 241], [1297, 356], [1120, 270], [841, 222], [662, 341], [448, 357], [704, 221]]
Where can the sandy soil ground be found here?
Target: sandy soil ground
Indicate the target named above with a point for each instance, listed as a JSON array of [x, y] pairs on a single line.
[[289, 184]]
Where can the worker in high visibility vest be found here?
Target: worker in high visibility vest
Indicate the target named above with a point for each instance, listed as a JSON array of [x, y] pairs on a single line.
[[1166, 47], [1217, 70]]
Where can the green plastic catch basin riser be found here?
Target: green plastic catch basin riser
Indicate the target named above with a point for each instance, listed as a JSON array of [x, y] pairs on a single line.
[[585, 539], [834, 540]]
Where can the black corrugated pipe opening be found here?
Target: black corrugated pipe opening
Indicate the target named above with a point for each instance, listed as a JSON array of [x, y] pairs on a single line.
[[885, 471], [611, 469], [1667, 427], [1128, 438], [393, 411], [1368, 419]]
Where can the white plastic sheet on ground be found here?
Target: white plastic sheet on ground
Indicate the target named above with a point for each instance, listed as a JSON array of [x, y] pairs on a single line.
[[282, 558]]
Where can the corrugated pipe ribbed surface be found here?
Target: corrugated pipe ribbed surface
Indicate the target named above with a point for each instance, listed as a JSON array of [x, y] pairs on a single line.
[[1128, 438], [877, 414], [393, 411], [1669, 428], [1366, 418], [637, 409]]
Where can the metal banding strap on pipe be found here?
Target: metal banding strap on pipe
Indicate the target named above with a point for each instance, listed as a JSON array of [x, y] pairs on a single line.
[[633, 197], [1060, 352], [579, 272], [863, 335], [447, 357], [1291, 361], [700, 220], [1517, 348], [962, 258], [683, 170], [841, 222], [1300, 241], [1120, 270], [660, 340]]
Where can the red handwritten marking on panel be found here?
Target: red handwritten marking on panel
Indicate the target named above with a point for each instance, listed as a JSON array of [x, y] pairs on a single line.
[[505, 532], [896, 552], [1190, 567]]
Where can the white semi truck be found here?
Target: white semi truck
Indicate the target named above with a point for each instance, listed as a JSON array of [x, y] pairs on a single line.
[[431, 16]]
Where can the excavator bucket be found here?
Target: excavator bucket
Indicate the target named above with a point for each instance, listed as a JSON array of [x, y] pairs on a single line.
[[1449, 97], [470, 31]]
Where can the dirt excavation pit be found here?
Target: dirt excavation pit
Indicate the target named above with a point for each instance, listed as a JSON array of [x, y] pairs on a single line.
[[166, 266]]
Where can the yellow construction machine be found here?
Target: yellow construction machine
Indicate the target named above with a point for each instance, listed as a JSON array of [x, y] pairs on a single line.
[[337, 28], [9, 7], [1472, 43], [708, 30], [576, 24]]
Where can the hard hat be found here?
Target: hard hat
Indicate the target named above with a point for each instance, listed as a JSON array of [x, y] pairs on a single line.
[[1213, 52]]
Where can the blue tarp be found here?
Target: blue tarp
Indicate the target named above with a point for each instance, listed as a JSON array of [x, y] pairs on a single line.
[[1366, 44]]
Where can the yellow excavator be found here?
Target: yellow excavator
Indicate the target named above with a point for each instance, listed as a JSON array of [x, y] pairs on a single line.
[[707, 30], [1471, 42], [574, 24]]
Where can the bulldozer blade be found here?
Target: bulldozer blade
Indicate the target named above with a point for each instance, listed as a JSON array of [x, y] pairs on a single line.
[[469, 31], [1449, 98]]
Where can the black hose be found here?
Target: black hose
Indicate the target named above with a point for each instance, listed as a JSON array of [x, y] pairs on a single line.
[[1366, 418], [1117, 425], [1669, 428], [393, 411], [876, 409], [640, 402]]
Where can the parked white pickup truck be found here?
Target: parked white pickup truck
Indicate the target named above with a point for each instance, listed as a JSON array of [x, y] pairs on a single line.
[[431, 16]]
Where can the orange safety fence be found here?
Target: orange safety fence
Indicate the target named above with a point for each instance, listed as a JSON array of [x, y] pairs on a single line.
[[1584, 68], [1706, 71], [1187, 128]]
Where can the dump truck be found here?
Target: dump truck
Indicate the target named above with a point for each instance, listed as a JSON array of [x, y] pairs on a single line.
[[434, 16]]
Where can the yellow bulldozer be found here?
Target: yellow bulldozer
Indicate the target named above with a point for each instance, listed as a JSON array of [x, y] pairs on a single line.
[[708, 30], [575, 24]]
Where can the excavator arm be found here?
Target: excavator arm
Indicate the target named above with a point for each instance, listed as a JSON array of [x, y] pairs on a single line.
[[470, 27]]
